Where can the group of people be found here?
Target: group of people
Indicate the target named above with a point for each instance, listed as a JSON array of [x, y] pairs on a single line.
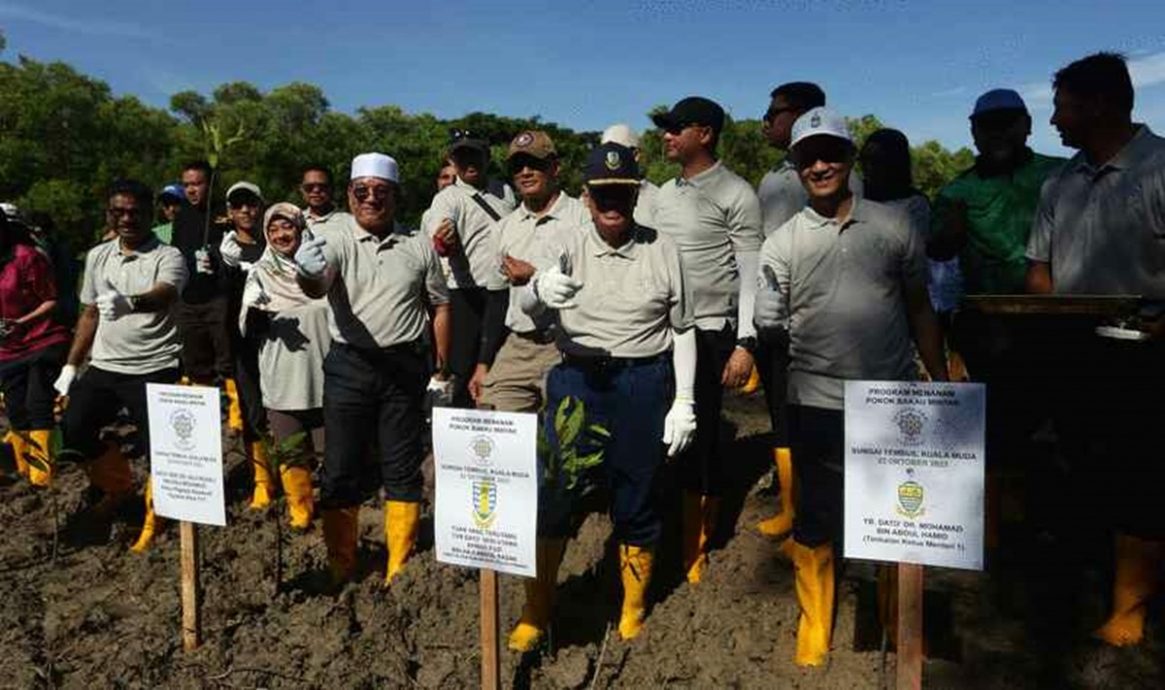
[[620, 317]]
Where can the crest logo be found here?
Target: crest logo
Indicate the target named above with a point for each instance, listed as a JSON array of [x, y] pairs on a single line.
[[182, 422], [910, 497], [484, 502], [524, 139], [482, 448], [815, 121], [911, 423], [613, 160]]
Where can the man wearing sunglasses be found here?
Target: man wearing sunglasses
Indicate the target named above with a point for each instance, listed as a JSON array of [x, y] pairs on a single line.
[[622, 394], [844, 283], [460, 222], [514, 379], [380, 280], [316, 189], [129, 336], [714, 217]]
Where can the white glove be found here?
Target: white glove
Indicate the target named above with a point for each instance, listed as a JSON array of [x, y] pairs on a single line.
[[230, 249], [111, 304], [770, 310], [555, 289], [65, 380], [310, 259], [679, 426], [246, 266], [254, 295], [440, 393]]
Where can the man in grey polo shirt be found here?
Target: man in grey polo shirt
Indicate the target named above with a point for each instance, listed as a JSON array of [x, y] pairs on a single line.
[[379, 279], [714, 217], [1099, 229], [844, 281], [316, 188], [128, 333], [461, 221], [514, 380]]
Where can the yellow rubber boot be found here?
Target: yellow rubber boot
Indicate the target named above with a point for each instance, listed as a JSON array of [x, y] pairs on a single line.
[[781, 524], [234, 409], [753, 383], [699, 522], [149, 524], [635, 566], [531, 627], [16, 439], [401, 520], [111, 474], [261, 496], [1137, 561], [340, 538], [815, 592], [39, 455], [297, 488]]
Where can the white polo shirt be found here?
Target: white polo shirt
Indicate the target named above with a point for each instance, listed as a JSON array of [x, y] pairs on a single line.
[[474, 228], [379, 288], [713, 218], [1102, 228], [536, 240], [138, 343]]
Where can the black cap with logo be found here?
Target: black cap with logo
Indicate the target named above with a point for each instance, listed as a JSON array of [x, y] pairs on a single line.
[[609, 164], [693, 110]]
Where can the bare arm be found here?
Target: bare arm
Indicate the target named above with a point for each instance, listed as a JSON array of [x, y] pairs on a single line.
[[315, 288], [1039, 278], [442, 334], [83, 338], [927, 333], [44, 309]]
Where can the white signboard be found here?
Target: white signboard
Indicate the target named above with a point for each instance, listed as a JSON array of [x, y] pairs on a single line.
[[914, 472], [186, 453], [487, 488]]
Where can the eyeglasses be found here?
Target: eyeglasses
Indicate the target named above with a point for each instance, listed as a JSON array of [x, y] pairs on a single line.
[[314, 187], [822, 148], [520, 163], [773, 113], [379, 192]]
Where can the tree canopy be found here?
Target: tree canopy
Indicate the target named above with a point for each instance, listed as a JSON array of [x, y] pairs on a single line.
[[67, 136]]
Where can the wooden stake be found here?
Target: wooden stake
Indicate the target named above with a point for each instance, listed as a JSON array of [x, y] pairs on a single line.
[[490, 669], [191, 606], [909, 626]]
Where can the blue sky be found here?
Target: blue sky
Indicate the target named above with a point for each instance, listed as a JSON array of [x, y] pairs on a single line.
[[917, 65]]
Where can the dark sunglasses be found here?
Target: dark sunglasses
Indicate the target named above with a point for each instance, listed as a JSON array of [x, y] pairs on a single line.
[[825, 149], [773, 113], [243, 202], [520, 163], [314, 187], [379, 193]]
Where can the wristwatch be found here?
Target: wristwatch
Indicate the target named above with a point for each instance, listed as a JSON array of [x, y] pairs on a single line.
[[748, 343]]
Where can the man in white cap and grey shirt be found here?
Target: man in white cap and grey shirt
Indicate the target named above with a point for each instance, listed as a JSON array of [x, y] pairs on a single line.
[[844, 281], [380, 280], [625, 136]]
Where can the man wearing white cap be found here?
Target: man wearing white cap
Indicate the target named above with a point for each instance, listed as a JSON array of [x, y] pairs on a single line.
[[625, 136], [844, 280], [380, 279]]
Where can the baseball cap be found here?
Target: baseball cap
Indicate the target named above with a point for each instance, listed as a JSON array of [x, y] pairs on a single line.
[[998, 99], [463, 139], [174, 189], [819, 121], [621, 134], [244, 186], [375, 165], [693, 110], [609, 164], [534, 143]]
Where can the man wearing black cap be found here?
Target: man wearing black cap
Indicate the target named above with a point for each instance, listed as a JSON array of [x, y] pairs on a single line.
[[622, 396], [714, 217], [461, 221]]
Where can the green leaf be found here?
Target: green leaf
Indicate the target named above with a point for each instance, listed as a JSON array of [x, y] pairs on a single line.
[[568, 420]]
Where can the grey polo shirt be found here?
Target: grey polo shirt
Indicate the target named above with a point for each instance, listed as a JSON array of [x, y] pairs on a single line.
[[474, 228], [291, 357], [135, 343], [782, 195], [379, 288], [631, 298], [1102, 228], [328, 221], [714, 218], [534, 239], [845, 286], [645, 205]]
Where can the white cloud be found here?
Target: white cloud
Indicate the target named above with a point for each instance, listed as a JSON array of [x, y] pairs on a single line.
[[87, 26], [1145, 70]]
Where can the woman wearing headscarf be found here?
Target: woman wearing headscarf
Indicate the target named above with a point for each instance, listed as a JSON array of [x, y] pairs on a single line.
[[290, 332], [32, 349]]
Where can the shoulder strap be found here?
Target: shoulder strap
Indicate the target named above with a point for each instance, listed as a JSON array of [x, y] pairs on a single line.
[[489, 210]]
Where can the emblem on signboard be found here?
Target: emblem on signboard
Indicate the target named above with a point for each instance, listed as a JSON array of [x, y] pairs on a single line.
[[910, 497], [485, 502], [482, 448], [910, 423], [182, 423]]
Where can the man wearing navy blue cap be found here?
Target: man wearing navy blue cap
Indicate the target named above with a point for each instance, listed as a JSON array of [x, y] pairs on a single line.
[[714, 217], [169, 202]]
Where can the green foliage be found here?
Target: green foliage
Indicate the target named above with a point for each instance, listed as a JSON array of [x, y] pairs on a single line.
[[66, 137], [290, 452], [580, 444]]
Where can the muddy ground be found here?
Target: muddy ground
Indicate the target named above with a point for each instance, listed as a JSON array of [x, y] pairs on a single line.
[[93, 615]]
